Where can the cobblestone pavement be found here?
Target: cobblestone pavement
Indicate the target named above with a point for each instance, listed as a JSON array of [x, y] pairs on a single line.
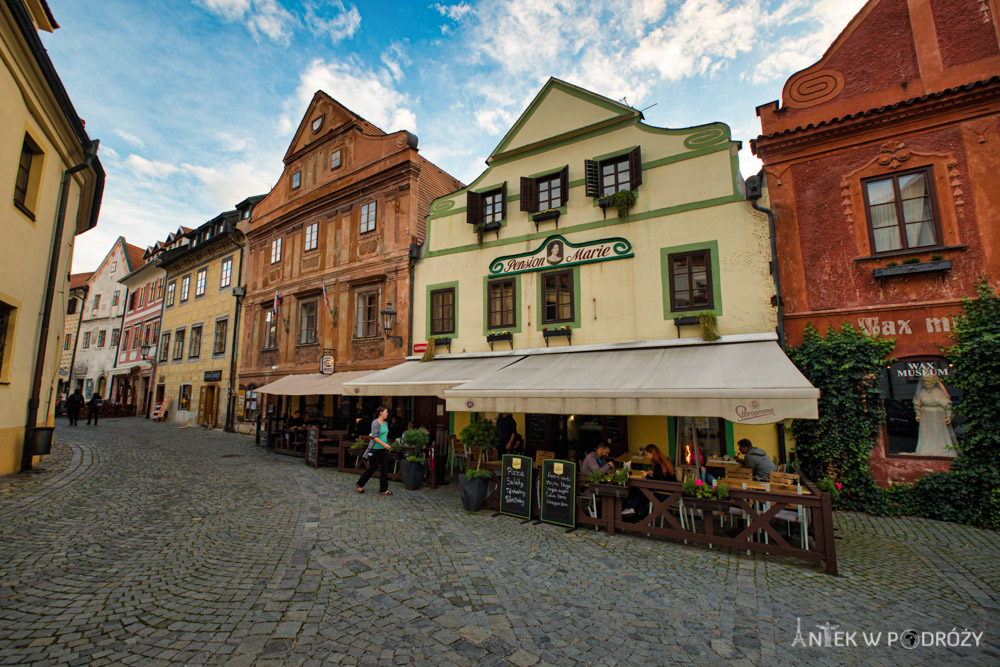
[[142, 543]]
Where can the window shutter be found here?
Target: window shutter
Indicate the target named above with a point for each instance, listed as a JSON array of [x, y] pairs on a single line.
[[592, 178], [529, 194], [503, 201], [564, 184], [635, 168], [473, 208]]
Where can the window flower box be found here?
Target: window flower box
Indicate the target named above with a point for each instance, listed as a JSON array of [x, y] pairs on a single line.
[[443, 341], [883, 272], [566, 331], [500, 336], [548, 214]]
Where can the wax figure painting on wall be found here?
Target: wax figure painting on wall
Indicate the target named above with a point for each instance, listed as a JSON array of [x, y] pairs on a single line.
[[919, 407]]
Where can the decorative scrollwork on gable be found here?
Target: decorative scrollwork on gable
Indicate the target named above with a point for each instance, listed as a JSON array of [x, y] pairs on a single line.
[[892, 154], [810, 88]]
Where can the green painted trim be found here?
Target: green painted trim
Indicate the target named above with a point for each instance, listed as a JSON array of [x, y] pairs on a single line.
[[734, 166], [730, 441], [578, 183], [518, 302], [560, 143], [619, 242], [617, 153], [713, 248], [548, 172], [489, 188], [575, 324], [680, 157], [670, 210], [451, 422], [672, 437], [427, 308]]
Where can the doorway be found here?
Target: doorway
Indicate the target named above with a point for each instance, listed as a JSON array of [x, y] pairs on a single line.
[[208, 405]]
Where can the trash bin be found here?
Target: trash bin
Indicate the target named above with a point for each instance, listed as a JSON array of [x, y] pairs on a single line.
[[40, 440]]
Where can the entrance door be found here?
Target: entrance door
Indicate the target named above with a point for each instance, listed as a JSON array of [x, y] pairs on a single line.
[[208, 406]]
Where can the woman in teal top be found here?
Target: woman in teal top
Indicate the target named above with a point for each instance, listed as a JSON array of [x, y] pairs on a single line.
[[379, 453]]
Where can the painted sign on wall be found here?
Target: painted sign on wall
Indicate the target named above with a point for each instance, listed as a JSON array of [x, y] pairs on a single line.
[[555, 251]]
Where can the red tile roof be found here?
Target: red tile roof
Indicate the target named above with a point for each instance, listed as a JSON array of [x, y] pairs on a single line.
[[77, 280]]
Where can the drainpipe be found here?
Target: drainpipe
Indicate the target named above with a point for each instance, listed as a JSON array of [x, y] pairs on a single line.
[[31, 420], [239, 293], [755, 189]]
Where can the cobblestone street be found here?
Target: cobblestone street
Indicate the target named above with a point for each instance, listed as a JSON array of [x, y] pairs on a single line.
[[141, 543]]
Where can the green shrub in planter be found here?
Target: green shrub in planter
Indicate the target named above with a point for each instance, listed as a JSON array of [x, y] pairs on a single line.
[[476, 473], [416, 438], [359, 444]]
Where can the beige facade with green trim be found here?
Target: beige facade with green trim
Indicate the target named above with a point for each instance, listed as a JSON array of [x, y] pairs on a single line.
[[691, 197]]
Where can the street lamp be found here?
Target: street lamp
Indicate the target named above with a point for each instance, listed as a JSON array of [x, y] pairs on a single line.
[[389, 323]]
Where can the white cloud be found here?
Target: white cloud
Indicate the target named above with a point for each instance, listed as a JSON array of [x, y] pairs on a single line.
[[140, 166], [342, 25], [264, 18], [394, 58], [229, 9], [131, 138], [454, 12]]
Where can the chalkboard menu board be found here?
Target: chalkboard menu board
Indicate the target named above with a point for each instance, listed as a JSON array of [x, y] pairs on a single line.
[[312, 447], [559, 492], [536, 428], [515, 486]]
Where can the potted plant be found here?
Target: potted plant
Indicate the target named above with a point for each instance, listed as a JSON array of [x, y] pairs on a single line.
[[614, 484], [497, 336], [709, 326], [564, 330], [622, 200], [474, 484], [704, 497], [414, 466]]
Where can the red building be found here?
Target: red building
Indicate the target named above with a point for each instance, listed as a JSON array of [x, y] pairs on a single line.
[[881, 164]]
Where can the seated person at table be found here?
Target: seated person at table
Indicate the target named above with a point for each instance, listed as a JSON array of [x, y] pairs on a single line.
[[294, 421], [663, 471], [757, 460], [597, 461], [396, 428]]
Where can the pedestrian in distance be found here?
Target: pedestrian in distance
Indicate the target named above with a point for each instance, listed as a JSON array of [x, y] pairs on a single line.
[[94, 408], [74, 404], [378, 453]]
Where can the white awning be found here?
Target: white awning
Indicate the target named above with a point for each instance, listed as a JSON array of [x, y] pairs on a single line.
[[426, 378], [744, 382], [311, 384]]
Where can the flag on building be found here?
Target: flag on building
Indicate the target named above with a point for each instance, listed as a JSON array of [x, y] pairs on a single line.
[[326, 298], [276, 306]]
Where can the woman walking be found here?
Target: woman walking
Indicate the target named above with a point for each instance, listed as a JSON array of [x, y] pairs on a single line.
[[379, 453]]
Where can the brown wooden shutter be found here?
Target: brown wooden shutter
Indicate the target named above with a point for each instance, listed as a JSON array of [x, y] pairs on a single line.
[[529, 194], [503, 201], [564, 184], [592, 178], [635, 168], [473, 208]]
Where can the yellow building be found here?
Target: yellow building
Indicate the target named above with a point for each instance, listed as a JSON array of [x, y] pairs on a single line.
[[195, 365], [50, 166], [567, 285]]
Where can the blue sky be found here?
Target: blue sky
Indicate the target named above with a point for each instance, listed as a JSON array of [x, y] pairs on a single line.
[[195, 101]]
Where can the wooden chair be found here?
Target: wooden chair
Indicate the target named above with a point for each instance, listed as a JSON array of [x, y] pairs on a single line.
[[784, 478], [491, 454], [541, 455], [457, 452], [740, 473], [794, 514]]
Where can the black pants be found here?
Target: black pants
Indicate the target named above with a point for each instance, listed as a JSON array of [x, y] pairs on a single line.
[[379, 459], [74, 415], [93, 413]]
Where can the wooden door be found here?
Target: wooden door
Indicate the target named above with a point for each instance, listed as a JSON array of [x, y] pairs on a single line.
[[211, 399], [201, 406]]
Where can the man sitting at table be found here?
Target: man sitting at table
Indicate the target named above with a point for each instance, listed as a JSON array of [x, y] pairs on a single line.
[[757, 460], [294, 422], [597, 461]]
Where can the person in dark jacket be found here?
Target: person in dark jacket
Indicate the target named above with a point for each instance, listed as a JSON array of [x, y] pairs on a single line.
[[74, 404], [757, 460], [94, 408]]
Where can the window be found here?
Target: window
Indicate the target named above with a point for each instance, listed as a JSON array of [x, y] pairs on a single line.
[[86, 339], [125, 345], [199, 285], [219, 345], [185, 288], [335, 159], [606, 177], [307, 322], [922, 385], [690, 281], [194, 349], [142, 298], [164, 346], [159, 289], [367, 314], [545, 192], [312, 232], [708, 432], [270, 331], [6, 314], [67, 343], [71, 307], [97, 301], [296, 179], [443, 311], [132, 300], [502, 304], [490, 206], [179, 345], [101, 337], [493, 206], [114, 297], [171, 288], [226, 273], [901, 211], [114, 266], [275, 251], [184, 400], [28, 177], [136, 336], [368, 217], [558, 297], [115, 334]]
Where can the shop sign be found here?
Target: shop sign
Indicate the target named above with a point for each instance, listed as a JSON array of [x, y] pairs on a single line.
[[213, 376], [874, 326], [80, 370], [555, 251], [326, 364], [419, 348], [752, 411]]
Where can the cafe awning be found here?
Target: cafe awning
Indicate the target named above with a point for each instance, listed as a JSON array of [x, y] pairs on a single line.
[[311, 384], [426, 378], [744, 382]]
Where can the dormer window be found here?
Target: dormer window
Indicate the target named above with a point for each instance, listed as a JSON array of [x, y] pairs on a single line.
[[296, 179], [317, 123], [335, 159]]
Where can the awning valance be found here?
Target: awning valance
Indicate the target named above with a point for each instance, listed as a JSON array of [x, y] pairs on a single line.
[[426, 378], [745, 382], [311, 384]]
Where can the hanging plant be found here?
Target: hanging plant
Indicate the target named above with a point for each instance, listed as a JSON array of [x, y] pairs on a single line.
[[622, 200], [429, 352], [709, 326]]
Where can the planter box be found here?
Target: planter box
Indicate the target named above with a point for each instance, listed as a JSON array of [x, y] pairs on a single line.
[[443, 341], [611, 490], [491, 226], [884, 272], [552, 333], [493, 338], [413, 474], [706, 504]]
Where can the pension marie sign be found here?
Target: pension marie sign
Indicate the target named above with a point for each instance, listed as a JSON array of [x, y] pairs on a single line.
[[555, 251]]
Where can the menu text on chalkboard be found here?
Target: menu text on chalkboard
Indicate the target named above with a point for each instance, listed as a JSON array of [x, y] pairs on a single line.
[[515, 486], [312, 447], [559, 492]]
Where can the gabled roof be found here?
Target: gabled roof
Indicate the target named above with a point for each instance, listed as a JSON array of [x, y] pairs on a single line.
[[78, 280], [335, 117], [133, 256]]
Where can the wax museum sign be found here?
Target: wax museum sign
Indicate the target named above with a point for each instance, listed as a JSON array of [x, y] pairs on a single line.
[[555, 251]]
